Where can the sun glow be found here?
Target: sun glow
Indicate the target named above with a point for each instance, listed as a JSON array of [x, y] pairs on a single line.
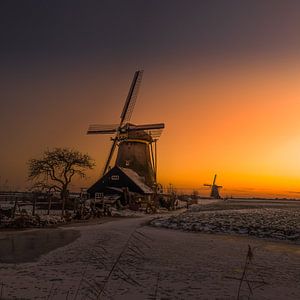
[[239, 121], [244, 126]]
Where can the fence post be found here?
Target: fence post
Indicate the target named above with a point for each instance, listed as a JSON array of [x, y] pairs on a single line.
[[49, 204], [75, 205], [15, 207]]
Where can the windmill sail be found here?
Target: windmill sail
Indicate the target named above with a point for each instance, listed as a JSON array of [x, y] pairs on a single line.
[[146, 126], [102, 129], [110, 155], [131, 98], [214, 182]]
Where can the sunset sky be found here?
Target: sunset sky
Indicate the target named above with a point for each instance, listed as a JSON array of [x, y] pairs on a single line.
[[224, 76]]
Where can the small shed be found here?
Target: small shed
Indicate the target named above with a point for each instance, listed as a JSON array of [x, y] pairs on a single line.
[[118, 179]]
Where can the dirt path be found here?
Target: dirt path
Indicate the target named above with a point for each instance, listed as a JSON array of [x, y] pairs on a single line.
[[155, 264]]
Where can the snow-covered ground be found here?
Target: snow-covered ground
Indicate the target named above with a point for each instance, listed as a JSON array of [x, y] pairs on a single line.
[[276, 221], [126, 259]]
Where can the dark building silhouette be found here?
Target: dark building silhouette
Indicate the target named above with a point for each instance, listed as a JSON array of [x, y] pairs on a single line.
[[214, 192], [136, 159], [118, 178]]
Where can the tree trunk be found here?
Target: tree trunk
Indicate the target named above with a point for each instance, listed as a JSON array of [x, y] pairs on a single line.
[[63, 205], [64, 197], [34, 205]]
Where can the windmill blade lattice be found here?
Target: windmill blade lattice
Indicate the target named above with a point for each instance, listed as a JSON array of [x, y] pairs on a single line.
[[146, 127], [131, 97], [110, 155], [102, 129]]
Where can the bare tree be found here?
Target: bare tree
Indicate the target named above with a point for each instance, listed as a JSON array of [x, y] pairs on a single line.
[[57, 168]]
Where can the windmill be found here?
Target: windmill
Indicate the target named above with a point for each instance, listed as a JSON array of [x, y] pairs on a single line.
[[136, 143], [214, 189]]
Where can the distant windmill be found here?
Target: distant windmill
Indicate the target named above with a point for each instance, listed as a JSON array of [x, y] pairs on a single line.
[[136, 143], [214, 189]]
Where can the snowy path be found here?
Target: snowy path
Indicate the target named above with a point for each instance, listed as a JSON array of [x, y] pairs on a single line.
[[133, 261]]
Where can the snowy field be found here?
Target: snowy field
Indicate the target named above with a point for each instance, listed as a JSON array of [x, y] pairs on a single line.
[[127, 259], [264, 219]]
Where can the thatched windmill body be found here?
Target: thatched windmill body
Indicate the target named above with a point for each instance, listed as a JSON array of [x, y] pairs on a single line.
[[214, 192], [135, 144]]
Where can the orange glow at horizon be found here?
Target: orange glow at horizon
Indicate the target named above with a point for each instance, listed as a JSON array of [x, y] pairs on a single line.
[[240, 122], [244, 127]]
